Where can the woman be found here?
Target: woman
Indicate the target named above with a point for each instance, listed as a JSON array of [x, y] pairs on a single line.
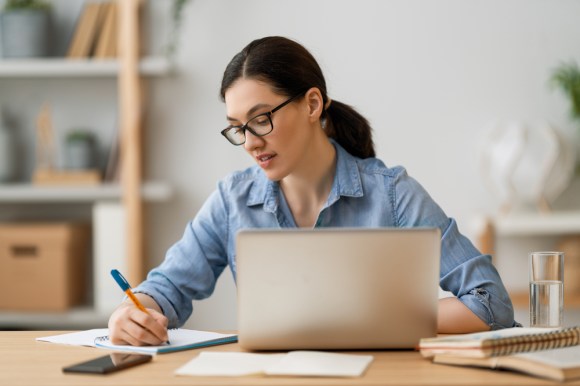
[[315, 168]]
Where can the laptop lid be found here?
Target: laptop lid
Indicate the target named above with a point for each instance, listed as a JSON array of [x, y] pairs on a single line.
[[337, 288]]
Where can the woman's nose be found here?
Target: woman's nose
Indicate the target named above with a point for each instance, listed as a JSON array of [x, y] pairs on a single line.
[[253, 141]]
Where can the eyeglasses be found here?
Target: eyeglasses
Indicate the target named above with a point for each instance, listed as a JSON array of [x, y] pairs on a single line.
[[260, 125]]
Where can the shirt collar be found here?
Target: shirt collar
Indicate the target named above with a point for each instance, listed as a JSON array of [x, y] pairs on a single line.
[[347, 182]]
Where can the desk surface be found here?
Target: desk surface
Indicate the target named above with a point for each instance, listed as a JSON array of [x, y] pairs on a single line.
[[24, 361]]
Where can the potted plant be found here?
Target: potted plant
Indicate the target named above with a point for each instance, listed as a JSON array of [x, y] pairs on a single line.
[[177, 19], [25, 28], [566, 77], [80, 150]]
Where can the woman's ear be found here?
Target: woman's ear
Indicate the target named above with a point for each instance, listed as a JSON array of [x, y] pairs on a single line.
[[315, 103]]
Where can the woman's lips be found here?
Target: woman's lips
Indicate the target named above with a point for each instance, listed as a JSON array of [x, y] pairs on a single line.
[[265, 159]]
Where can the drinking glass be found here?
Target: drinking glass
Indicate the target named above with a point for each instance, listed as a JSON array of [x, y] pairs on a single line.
[[546, 289]]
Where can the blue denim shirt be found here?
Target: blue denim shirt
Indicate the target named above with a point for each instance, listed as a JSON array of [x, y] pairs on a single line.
[[365, 193]]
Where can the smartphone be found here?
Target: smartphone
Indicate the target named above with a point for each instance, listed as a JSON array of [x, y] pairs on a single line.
[[108, 363]]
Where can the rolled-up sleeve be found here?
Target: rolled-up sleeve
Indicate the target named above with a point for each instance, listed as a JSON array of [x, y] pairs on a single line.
[[472, 277], [465, 272]]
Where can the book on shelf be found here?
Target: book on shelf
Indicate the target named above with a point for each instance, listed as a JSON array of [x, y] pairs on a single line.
[[95, 34], [561, 364], [106, 45], [500, 342], [88, 24], [111, 172]]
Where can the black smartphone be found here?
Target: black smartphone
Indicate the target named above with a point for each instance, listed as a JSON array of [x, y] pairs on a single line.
[[108, 363]]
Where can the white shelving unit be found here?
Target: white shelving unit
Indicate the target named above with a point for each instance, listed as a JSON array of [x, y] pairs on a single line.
[[27, 193], [116, 208], [80, 68], [107, 218], [530, 224]]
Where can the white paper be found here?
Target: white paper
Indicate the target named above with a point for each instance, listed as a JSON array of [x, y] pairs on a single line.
[[294, 363], [320, 364], [81, 338], [230, 364]]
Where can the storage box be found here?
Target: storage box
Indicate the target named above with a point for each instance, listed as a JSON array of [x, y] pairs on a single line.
[[43, 265]]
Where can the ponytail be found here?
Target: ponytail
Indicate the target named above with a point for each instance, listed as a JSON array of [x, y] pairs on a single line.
[[290, 69], [350, 129]]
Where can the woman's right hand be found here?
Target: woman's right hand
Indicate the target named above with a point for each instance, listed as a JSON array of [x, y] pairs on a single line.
[[129, 325]]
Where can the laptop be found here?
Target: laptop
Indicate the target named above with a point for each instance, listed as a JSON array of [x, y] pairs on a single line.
[[337, 288]]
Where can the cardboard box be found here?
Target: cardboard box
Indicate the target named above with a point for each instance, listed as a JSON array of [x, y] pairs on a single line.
[[43, 265]]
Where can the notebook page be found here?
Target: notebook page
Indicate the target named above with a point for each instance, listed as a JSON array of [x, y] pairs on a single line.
[[81, 338], [567, 357], [321, 364], [294, 363], [180, 339], [228, 364]]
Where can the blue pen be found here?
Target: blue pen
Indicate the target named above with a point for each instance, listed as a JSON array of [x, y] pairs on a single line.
[[124, 284]]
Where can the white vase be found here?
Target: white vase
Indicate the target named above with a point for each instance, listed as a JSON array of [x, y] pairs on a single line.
[[527, 165], [25, 33]]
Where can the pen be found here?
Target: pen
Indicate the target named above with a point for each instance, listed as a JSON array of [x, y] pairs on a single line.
[[124, 284]]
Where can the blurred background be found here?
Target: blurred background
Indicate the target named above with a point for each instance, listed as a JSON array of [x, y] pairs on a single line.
[[441, 83]]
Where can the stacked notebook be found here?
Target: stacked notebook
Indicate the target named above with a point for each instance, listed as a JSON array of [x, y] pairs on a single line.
[[547, 353]]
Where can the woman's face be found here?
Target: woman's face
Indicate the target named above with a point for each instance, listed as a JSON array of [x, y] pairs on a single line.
[[280, 152]]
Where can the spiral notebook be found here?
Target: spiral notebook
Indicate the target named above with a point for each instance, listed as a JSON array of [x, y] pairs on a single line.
[[560, 364], [501, 342], [180, 338]]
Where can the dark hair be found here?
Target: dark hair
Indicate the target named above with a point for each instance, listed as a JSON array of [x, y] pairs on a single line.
[[290, 69]]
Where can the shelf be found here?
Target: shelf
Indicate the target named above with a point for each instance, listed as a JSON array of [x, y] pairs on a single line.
[[14, 193], [76, 318], [521, 299], [533, 224], [71, 68]]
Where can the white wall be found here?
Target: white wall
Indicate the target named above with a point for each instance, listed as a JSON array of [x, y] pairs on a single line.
[[431, 76]]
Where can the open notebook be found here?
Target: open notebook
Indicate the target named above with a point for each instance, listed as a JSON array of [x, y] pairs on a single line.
[[294, 363], [181, 339]]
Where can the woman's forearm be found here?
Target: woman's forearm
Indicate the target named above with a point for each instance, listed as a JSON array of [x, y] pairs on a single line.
[[146, 300], [455, 318]]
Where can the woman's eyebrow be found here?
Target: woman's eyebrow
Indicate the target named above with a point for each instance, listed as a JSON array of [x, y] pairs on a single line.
[[250, 113]]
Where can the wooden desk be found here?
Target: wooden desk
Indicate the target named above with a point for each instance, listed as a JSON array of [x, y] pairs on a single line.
[[24, 361]]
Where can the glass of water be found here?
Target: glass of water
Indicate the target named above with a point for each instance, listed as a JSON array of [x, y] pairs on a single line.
[[546, 289]]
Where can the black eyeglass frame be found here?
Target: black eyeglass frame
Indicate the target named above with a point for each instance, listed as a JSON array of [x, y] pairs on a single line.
[[245, 126]]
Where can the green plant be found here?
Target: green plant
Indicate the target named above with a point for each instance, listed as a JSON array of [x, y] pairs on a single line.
[[25, 4], [80, 135], [177, 19], [567, 77]]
